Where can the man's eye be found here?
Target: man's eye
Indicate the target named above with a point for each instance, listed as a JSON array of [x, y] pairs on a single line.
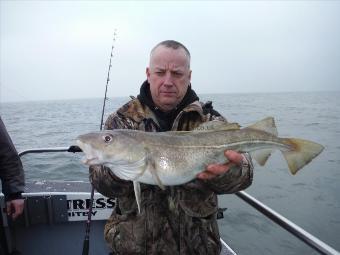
[[177, 74], [160, 73]]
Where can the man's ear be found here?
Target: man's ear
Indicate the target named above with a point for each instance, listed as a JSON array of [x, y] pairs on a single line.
[[190, 75], [147, 71]]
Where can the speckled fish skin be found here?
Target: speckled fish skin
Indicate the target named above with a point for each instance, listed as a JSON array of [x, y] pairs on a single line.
[[173, 158]]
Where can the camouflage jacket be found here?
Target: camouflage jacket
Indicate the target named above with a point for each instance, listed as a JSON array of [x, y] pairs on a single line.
[[178, 220]]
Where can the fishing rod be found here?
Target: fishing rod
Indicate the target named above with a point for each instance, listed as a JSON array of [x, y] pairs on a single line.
[[108, 79], [86, 244]]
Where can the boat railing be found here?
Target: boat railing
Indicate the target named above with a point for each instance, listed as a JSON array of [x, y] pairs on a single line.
[[285, 223], [72, 148], [315, 243]]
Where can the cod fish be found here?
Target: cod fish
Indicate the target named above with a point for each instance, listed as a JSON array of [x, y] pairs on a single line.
[[176, 157]]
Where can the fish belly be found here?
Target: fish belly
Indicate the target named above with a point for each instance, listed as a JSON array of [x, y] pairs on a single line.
[[176, 167]]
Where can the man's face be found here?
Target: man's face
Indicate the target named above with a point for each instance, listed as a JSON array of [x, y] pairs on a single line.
[[169, 76]]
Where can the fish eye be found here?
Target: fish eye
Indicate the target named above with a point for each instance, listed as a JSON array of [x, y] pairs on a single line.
[[107, 138]]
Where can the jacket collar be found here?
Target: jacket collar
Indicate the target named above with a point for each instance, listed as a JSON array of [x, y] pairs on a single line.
[[145, 98], [144, 108], [165, 120]]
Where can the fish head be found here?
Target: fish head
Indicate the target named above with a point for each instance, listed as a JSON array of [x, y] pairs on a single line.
[[105, 147]]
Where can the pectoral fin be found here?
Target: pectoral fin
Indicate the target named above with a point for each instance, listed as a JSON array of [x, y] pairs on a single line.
[[155, 176], [157, 179], [151, 166]]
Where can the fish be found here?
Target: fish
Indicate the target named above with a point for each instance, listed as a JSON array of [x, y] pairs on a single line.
[[176, 157]]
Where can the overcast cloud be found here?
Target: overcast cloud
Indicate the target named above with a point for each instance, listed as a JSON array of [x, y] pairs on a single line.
[[61, 49]]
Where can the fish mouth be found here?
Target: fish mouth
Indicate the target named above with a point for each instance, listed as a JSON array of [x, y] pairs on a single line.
[[90, 157], [90, 161]]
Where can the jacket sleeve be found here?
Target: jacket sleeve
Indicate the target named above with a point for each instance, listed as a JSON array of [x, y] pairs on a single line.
[[235, 179], [102, 178], [11, 170]]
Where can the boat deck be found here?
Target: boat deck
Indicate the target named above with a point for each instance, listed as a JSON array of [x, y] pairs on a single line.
[[54, 220]]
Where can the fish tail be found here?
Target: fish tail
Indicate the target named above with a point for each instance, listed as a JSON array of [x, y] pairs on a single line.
[[301, 152]]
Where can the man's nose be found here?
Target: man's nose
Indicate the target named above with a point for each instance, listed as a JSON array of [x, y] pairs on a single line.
[[168, 79]]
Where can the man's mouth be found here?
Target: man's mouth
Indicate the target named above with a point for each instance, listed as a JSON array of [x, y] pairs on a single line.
[[168, 93]]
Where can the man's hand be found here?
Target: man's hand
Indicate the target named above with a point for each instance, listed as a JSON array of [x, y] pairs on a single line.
[[213, 170], [15, 207]]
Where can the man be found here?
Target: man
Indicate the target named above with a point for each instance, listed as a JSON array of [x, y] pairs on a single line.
[[11, 174], [180, 219]]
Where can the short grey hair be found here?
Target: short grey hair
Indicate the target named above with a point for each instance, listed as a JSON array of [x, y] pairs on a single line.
[[173, 45]]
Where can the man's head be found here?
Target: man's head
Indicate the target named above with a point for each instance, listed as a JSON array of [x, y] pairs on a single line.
[[169, 74]]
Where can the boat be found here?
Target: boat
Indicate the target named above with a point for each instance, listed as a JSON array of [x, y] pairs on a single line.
[[56, 215]]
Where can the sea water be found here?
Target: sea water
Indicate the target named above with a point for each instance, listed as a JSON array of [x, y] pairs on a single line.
[[311, 198]]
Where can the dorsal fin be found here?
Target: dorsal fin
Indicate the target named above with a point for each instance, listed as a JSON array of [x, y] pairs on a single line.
[[215, 125], [209, 126], [267, 125]]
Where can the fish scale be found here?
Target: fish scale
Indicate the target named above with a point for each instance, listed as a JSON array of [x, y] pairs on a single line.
[[176, 157]]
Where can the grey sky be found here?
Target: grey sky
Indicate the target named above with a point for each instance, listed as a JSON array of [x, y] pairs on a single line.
[[60, 49]]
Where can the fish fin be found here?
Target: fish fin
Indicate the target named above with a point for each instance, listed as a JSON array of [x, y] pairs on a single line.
[[178, 132], [156, 177], [261, 156], [301, 153], [267, 125], [142, 172], [209, 126], [138, 195], [150, 164], [215, 125]]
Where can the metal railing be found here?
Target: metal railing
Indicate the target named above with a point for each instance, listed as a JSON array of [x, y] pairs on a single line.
[[283, 222], [72, 148], [294, 229]]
